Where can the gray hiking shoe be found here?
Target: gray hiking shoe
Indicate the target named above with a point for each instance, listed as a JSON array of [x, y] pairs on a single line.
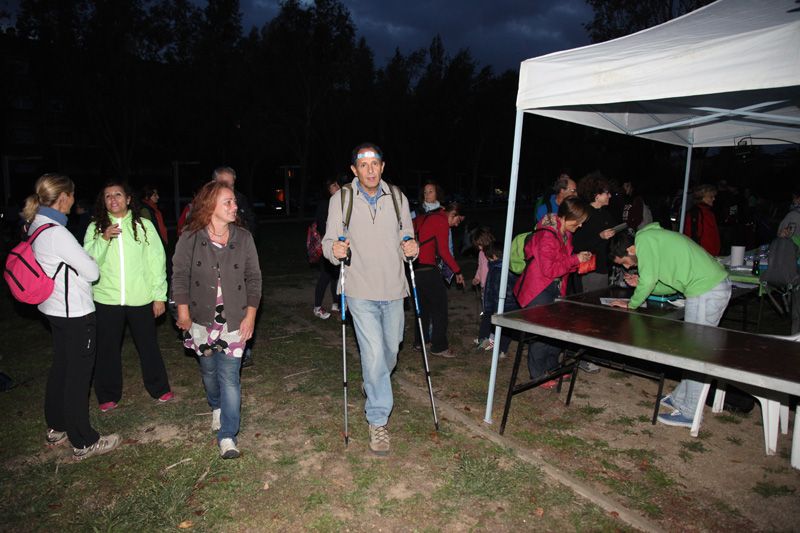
[[379, 440], [447, 354], [103, 445], [54, 438]]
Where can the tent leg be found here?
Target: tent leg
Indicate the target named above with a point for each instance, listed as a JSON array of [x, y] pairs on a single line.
[[512, 202], [685, 187]]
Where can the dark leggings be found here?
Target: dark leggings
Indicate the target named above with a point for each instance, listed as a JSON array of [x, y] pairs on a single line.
[[328, 273], [543, 356], [433, 307], [66, 399], [111, 320]]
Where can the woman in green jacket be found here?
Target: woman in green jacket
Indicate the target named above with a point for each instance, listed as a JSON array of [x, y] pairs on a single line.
[[132, 290]]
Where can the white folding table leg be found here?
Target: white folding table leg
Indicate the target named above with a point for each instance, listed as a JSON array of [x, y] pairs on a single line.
[[698, 412], [719, 398], [785, 417], [796, 440], [770, 410]]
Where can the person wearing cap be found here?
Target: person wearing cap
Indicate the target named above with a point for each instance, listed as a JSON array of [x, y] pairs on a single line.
[[374, 219]]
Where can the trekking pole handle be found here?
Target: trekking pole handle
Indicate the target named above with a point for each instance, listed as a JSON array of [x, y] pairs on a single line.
[[349, 253]]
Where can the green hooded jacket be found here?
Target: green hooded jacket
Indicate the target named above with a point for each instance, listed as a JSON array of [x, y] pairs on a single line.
[[132, 272], [670, 262]]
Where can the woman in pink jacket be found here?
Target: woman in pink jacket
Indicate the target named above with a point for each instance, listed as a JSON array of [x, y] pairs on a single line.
[[550, 260]]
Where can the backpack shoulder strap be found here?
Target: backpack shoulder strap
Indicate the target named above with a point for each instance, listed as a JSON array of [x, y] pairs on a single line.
[[39, 230], [347, 187], [396, 195]]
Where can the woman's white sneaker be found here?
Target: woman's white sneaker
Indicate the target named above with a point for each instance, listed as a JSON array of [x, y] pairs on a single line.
[[228, 449]]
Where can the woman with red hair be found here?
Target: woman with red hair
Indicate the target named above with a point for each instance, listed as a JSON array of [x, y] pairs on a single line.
[[216, 284]]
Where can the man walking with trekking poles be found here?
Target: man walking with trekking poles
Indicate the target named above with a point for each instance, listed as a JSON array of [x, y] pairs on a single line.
[[374, 219]]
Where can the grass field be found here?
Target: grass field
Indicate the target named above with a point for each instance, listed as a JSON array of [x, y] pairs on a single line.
[[296, 474]]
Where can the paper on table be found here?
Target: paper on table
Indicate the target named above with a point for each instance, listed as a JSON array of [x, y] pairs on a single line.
[[620, 227], [607, 301]]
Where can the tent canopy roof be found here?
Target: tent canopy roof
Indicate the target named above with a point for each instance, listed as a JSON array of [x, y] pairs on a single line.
[[709, 78]]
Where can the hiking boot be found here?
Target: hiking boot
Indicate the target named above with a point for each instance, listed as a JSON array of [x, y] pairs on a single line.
[[215, 419], [228, 449], [447, 354], [54, 438], [320, 312], [334, 307], [167, 396], [103, 445], [589, 367], [107, 406], [666, 401], [379, 440], [676, 418]]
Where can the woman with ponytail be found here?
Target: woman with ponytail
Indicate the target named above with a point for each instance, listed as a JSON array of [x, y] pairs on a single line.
[[71, 314]]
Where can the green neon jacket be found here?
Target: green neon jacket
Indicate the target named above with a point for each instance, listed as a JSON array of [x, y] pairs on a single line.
[[670, 262], [132, 272]]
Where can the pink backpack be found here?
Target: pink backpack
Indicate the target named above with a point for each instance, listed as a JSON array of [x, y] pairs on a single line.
[[28, 282]]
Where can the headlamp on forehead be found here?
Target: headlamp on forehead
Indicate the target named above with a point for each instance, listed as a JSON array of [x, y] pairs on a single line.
[[363, 155]]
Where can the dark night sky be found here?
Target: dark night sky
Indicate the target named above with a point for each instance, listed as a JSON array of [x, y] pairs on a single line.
[[500, 33]]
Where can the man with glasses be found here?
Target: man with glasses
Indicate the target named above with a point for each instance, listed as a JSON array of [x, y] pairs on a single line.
[[563, 187]]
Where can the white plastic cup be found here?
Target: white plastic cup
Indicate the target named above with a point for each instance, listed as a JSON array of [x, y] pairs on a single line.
[[737, 256]]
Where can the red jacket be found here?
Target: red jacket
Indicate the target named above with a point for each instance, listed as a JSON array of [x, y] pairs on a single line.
[[552, 259], [158, 220], [707, 232], [433, 235]]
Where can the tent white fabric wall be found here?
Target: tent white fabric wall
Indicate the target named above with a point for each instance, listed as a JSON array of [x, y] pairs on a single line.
[[724, 74]]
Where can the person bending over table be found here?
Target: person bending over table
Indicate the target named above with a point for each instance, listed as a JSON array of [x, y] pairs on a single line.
[[548, 253], [669, 262]]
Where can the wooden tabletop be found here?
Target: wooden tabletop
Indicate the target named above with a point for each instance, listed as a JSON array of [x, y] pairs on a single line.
[[746, 358]]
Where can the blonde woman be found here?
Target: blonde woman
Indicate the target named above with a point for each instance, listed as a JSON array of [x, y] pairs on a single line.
[[71, 314]]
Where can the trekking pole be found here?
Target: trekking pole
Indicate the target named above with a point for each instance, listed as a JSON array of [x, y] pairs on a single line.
[[344, 345], [422, 338]]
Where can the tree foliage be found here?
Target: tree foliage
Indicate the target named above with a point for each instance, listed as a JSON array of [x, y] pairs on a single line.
[[615, 18]]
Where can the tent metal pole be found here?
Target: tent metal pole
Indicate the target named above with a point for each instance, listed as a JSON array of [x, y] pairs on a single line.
[[512, 202], [685, 186]]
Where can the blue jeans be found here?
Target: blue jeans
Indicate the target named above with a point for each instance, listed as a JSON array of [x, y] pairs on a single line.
[[379, 328], [706, 309], [223, 391]]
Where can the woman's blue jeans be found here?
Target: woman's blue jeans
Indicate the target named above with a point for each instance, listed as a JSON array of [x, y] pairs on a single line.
[[223, 391], [379, 328]]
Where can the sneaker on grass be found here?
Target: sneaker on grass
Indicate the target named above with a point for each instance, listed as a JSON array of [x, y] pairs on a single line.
[[107, 406], [589, 367], [54, 438], [335, 307], [666, 401], [167, 396], [215, 419], [676, 418], [379, 440], [103, 445], [228, 449], [320, 312], [447, 354]]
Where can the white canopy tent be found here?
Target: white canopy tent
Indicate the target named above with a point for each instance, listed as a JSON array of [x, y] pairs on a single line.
[[725, 74]]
